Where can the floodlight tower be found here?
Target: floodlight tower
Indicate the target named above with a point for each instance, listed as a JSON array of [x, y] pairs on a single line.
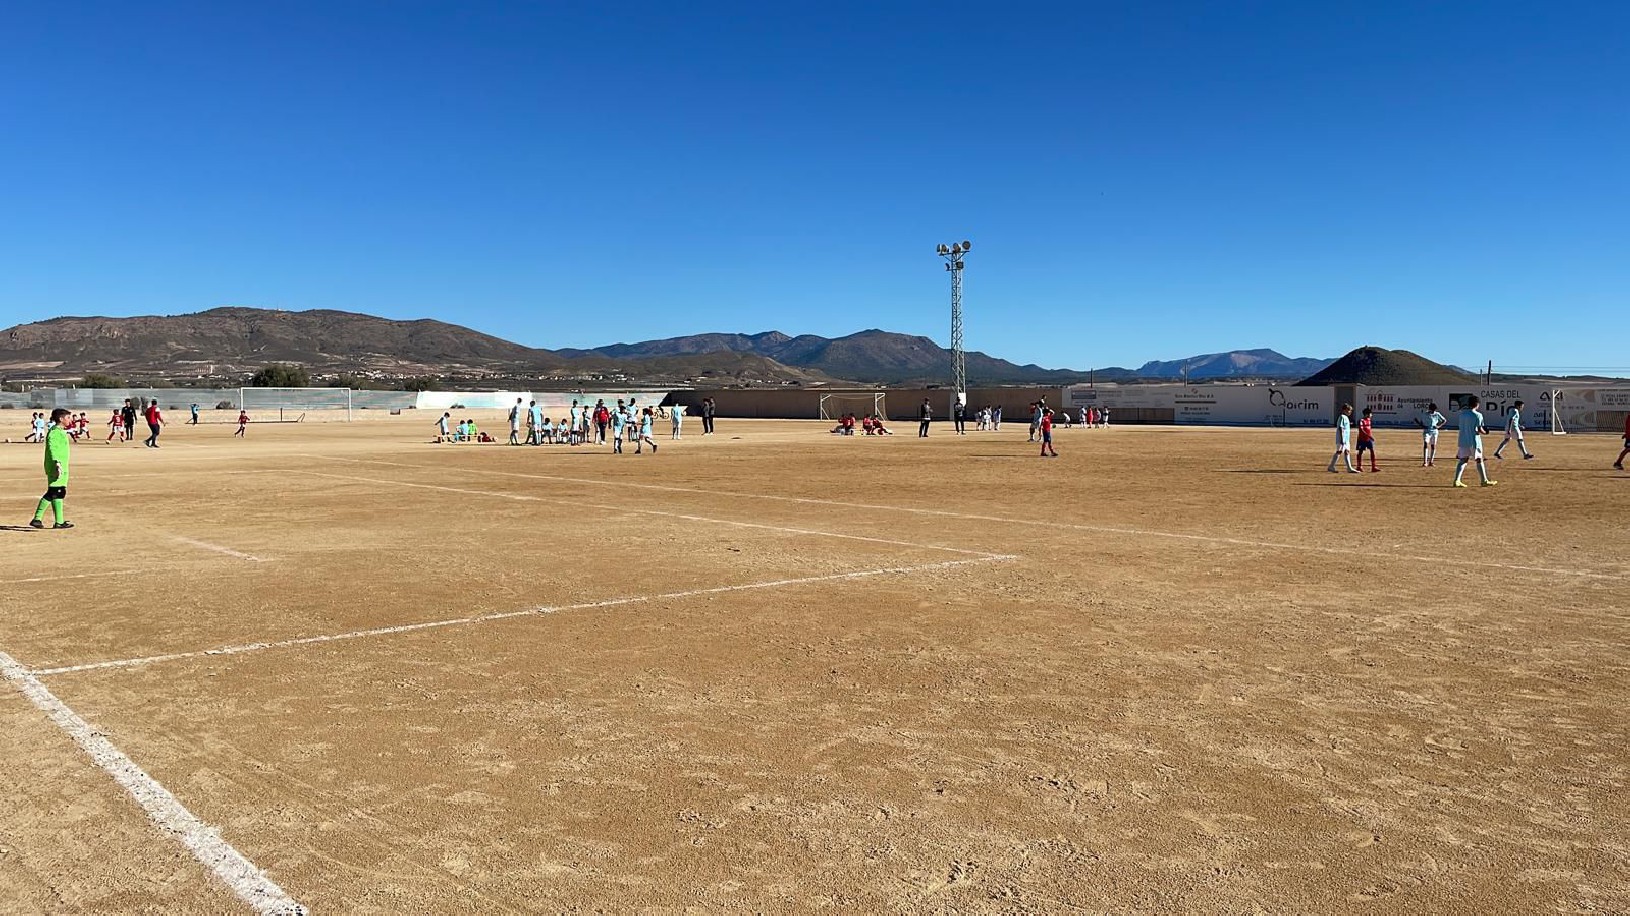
[[952, 254]]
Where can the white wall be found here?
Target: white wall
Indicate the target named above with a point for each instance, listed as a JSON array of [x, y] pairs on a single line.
[[1583, 409]]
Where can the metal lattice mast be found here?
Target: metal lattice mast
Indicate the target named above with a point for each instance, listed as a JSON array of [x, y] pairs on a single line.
[[953, 254]]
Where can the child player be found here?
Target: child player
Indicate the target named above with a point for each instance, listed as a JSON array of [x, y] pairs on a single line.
[[243, 424], [1430, 424], [1046, 426], [56, 472], [1366, 441], [1618, 463], [646, 422], [116, 426], [1344, 435], [1513, 430], [1471, 445]]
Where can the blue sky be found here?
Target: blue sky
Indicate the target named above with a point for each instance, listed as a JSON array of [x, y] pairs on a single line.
[[1140, 180]]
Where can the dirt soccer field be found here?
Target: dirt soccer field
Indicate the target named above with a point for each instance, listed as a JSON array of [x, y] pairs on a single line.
[[337, 667]]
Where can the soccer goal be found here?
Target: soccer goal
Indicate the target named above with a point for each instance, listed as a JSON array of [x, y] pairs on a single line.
[[1556, 413], [292, 404], [834, 406]]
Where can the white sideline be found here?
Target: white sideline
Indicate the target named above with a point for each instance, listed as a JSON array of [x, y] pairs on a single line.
[[506, 615], [1044, 523], [247, 881], [522, 497], [201, 545], [89, 575]]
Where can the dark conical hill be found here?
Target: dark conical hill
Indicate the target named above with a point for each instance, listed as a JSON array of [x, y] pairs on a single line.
[[1380, 366]]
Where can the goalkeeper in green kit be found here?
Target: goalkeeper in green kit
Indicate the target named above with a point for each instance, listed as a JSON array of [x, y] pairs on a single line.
[[56, 472]]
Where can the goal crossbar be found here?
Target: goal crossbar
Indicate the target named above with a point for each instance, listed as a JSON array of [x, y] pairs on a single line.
[[834, 406], [292, 404]]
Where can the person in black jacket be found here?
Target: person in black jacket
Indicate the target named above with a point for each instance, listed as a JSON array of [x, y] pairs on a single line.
[[924, 415], [707, 416]]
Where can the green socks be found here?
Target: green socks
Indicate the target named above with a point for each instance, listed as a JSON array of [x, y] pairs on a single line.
[[39, 513], [58, 509]]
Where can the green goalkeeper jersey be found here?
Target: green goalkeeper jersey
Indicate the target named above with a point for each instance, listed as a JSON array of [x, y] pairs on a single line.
[[56, 456]]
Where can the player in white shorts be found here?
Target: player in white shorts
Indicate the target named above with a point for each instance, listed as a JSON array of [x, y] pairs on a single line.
[[1344, 440], [1430, 424], [1513, 430], [1471, 443]]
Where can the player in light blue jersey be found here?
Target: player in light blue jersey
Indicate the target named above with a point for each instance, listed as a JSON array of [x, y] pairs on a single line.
[[1471, 443], [646, 420], [1430, 423], [1344, 440], [1513, 430]]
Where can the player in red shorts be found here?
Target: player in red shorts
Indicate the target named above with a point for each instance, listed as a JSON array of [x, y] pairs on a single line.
[[243, 424], [1620, 463]]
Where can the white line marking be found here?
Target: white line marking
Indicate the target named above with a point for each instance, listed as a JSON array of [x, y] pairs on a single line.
[[230, 866], [945, 513], [521, 497], [115, 572], [218, 549], [506, 615]]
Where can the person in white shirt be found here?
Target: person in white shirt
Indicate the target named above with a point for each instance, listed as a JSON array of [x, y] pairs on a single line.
[[1430, 423], [1513, 430]]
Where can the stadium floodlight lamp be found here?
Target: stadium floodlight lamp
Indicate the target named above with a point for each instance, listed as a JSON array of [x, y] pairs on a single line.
[[966, 245], [940, 249]]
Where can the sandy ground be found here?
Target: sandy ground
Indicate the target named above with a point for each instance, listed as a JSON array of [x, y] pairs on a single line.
[[774, 669]]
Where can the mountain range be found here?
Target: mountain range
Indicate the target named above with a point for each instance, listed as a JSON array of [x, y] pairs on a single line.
[[232, 342]]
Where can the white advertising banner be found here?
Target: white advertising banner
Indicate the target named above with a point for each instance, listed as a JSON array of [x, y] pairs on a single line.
[[1255, 405], [1115, 397], [1582, 409]]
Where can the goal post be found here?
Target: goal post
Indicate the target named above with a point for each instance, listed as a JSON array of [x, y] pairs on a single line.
[[1557, 428], [834, 406], [292, 404]]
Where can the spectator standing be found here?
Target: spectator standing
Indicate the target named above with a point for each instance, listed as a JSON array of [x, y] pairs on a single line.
[[925, 415]]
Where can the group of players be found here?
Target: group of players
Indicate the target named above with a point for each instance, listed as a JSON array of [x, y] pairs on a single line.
[[1469, 446], [627, 422]]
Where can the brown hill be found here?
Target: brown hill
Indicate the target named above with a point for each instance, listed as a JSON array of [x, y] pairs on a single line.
[[230, 340], [1380, 366], [233, 342]]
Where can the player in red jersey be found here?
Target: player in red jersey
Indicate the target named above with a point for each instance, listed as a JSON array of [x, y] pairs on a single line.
[[1366, 441], [1046, 425], [1620, 463]]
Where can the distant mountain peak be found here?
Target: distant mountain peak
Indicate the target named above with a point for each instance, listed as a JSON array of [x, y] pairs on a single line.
[[1261, 363]]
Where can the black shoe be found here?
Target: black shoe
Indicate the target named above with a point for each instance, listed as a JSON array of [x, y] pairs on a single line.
[[36, 523], [60, 525]]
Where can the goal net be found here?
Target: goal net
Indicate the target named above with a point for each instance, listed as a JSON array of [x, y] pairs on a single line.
[[291, 404], [834, 406]]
